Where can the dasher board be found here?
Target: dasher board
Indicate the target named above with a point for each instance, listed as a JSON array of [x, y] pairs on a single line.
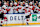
[[19, 19]]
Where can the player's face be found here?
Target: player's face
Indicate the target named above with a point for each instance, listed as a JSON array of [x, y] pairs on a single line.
[[7, 1], [38, 5], [35, 3], [12, 1], [30, 4], [21, 4], [15, 4], [0, 2], [10, 5], [18, 2]]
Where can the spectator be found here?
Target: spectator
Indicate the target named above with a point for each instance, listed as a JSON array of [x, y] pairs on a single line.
[[19, 7], [0, 4], [37, 3], [23, 3], [7, 3]]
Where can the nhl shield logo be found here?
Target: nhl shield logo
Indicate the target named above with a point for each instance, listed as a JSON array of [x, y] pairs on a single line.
[[34, 17]]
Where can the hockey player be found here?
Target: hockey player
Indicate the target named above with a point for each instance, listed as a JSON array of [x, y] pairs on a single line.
[[27, 14], [1, 22], [8, 3], [31, 7], [4, 6], [12, 3], [23, 9], [1, 13], [18, 3], [23, 3], [15, 4], [4, 11], [27, 11], [26, 4], [36, 10], [15, 10], [39, 5], [20, 8], [35, 5], [39, 8], [10, 9]]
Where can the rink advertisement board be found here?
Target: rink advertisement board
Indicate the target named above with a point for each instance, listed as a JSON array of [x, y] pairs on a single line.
[[15, 19], [19, 19]]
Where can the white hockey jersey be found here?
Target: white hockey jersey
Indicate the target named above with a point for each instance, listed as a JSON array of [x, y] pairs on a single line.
[[14, 10], [27, 11], [20, 9], [11, 10], [30, 7]]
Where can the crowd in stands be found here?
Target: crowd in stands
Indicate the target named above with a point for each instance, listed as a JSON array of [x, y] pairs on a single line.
[[19, 7], [7, 7]]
